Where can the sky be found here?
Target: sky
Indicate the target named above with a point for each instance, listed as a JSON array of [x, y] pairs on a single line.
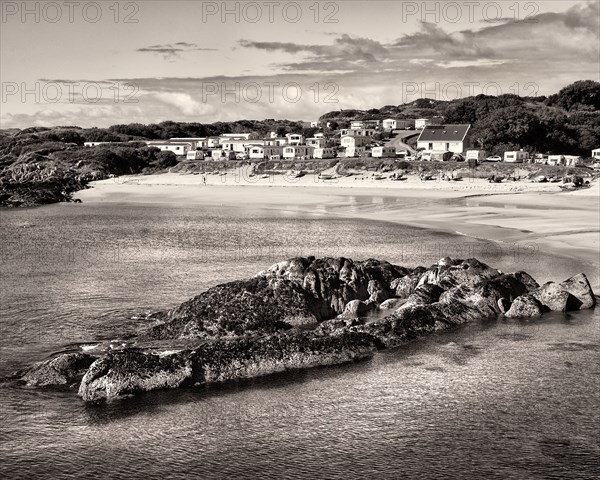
[[106, 62]]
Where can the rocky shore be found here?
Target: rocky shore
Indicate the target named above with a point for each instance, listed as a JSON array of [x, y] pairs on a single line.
[[302, 313]]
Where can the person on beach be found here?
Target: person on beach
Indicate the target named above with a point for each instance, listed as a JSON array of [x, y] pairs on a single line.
[[204, 179]]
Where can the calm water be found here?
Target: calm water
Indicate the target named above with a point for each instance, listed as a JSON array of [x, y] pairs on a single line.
[[501, 399]]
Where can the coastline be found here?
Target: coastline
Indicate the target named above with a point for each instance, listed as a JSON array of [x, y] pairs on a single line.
[[507, 213]]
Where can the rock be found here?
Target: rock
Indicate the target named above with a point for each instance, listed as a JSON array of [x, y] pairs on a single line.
[[526, 280], [579, 287], [525, 306], [64, 369], [356, 308], [404, 286], [503, 305], [450, 273], [425, 294], [554, 298], [129, 371], [391, 304]]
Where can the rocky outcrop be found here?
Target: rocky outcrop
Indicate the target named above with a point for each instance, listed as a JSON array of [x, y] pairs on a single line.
[[65, 369], [574, 293], [306, 312], [129, 371]]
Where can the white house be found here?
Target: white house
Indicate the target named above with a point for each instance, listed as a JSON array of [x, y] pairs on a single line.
[[178, 148], [389, 124], [372, 123], [355, 141], [356, 124], [212, 142], [356, 152], [295, 139], [256, 152], [315, 124], [295, 151], [239, 145], [197, 142], [245, 136], [317, 142], [383, 152], [194, 155], [518, 157], [596, 154], [218, 154], [421, 123], [326, 152], [447, 138], [572, 160], [357, 132]]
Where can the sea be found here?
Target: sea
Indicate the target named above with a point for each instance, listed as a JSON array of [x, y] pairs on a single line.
[[495, 399]]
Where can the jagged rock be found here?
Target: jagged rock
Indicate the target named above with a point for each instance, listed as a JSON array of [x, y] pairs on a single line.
[[133, 370], [554, 298], [425, 294], [525, 306], [356, 308], [405, 286], [580, 288], [526, 280], [391, 304], [129, 371], [448, 273], [64, 369]]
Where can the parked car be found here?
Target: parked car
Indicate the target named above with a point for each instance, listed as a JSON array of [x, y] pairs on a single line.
[[494, 158]]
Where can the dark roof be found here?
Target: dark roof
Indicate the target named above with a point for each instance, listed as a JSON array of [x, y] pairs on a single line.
[[440, 133]]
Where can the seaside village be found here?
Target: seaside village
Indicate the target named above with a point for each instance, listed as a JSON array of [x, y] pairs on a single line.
[[389, 138]]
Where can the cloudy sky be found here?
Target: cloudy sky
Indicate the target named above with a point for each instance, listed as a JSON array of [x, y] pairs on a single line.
[[97, 64]]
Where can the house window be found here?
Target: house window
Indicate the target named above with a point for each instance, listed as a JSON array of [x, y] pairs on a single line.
[[447, 146], [431, 146]]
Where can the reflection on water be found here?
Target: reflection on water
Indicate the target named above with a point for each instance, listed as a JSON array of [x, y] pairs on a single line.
[[500, 399]]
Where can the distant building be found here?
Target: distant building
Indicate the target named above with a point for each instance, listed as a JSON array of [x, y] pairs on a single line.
[[476, 155], [297, 151], [178, 148], [197, 142], [326, 152], [448, 138], [372, 123], [383, 152], [212, 142], [295, 139], [194, 155], [239, 145], [516, 157], [355, 124], [596, 154], [389, 124], [424, 122], [358, 132], [315, 124], [317, 142], [352, 152], [355, 141], [94, 144]]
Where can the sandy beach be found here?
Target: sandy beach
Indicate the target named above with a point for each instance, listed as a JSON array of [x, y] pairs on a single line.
[[536, 216]]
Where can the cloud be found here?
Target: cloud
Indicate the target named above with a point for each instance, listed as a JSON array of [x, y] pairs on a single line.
[[169, 51]]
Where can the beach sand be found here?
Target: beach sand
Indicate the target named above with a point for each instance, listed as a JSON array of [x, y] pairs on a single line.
[[535, 216]]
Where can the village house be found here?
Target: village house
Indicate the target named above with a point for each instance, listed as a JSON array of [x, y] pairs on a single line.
[[372, 123], [447, 138], [295, 139], [383, 152], [357, 132], [327, 152], [212, 142], [315, 124], [218, 154], [389, 124], [352, 152], [194, 155], [276, 141], [297, 151], [596, 154], [356, 124], [178, 148], [197, 142], [317, 142], [355, 141], [245, 136], [425, 122], [239, 145]]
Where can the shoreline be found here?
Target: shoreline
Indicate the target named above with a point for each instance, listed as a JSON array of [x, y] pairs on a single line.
[[565, 224]]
